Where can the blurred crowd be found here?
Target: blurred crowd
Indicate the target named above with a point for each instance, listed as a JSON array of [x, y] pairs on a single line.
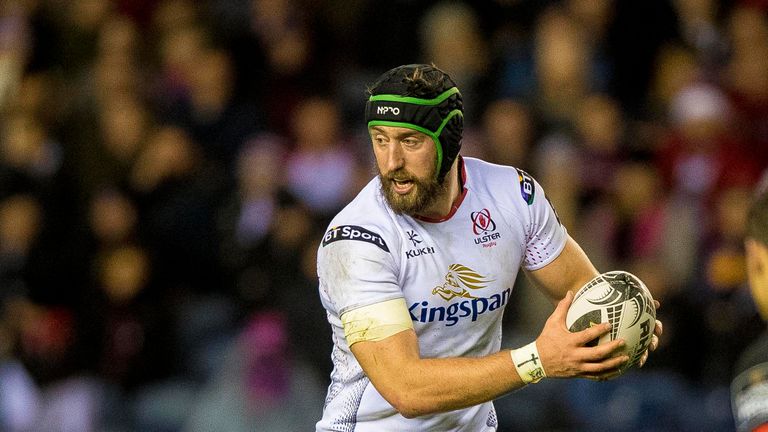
[[167, 168]]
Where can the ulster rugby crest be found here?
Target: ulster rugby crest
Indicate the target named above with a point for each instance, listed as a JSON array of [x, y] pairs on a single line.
[[482, 222], [485, 228]]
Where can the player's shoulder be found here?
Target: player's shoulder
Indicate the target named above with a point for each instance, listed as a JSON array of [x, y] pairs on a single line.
[[505, 182], [365, 220]]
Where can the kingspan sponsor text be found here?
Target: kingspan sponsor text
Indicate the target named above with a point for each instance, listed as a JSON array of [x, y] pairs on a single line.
[[425, 313]]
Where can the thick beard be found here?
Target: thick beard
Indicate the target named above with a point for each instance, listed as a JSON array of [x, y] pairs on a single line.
[[424, 193]]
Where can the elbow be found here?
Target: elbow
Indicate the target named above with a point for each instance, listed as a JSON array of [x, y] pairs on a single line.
[[409, 412], [409, 406]]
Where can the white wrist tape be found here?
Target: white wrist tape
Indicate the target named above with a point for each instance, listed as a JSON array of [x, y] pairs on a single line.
[[528, 363]]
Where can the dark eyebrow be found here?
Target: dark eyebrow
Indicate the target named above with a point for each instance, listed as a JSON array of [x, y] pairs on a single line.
[[410, 134]]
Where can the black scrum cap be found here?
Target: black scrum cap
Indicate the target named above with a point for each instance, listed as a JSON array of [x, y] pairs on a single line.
[[397, 101]]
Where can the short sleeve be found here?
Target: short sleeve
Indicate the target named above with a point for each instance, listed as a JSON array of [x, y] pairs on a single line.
[[545, 235], [356, 269]]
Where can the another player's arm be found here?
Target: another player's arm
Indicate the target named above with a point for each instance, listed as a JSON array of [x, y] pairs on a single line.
[[418, 386]]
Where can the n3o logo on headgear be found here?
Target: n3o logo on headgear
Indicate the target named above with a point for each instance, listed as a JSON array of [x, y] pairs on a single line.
[[384, 110]]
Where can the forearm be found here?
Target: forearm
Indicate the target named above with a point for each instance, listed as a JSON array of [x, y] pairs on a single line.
[[418, 386], [445, 384]]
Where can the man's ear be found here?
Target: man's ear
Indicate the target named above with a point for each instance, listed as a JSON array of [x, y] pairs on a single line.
[[757, 271]]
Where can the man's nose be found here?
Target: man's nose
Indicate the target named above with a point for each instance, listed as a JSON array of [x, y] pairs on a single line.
[[395, 159]]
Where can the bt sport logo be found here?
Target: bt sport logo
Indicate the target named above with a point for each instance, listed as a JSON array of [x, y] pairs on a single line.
[[354, 232], [527, 187]]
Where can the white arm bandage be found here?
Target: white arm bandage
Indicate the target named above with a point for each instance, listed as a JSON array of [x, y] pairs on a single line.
[[377, 321]]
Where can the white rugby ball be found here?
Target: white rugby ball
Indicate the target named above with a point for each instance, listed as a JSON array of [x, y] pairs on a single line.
[[622, 299]]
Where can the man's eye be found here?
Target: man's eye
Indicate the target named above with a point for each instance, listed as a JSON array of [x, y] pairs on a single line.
[[410, 142]]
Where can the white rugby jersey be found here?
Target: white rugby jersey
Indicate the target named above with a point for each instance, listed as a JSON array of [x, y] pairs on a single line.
[[456, 275]]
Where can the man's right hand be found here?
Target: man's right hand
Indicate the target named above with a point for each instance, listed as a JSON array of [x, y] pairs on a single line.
[[564, 354]]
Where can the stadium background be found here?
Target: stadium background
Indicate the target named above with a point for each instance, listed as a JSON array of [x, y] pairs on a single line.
[[168, 166]]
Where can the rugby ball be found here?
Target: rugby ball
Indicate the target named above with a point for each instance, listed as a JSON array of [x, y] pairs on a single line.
[[622, 299]]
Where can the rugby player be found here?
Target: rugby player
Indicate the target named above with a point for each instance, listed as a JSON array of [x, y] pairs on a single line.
[[416, 271], [749, 389]]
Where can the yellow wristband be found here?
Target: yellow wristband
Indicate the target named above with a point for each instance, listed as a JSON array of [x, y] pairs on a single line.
[[528, 363]]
